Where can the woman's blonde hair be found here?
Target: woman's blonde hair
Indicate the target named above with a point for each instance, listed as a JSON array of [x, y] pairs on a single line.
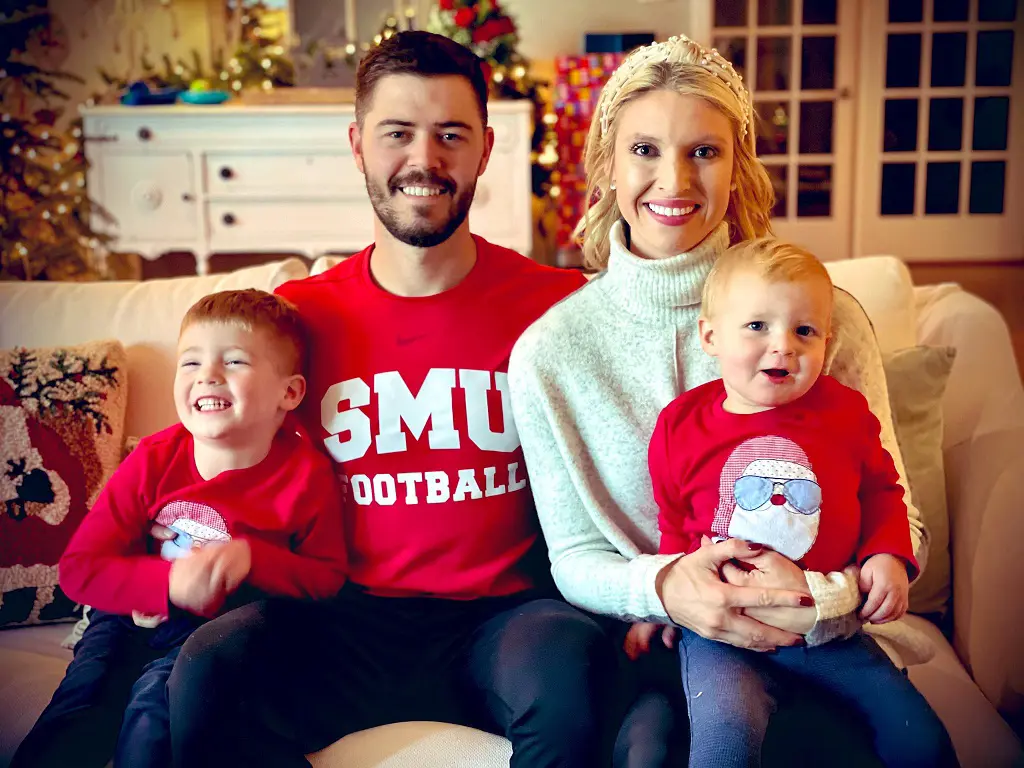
[[683, 72]]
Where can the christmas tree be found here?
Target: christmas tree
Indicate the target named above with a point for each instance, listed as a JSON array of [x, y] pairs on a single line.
[[45, 230], [485, 28]]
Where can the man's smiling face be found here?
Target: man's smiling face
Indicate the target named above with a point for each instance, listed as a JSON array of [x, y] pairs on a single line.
[[422, 145]]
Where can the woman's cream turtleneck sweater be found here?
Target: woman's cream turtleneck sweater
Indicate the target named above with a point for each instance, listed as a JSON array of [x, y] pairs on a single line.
[[588, 381]]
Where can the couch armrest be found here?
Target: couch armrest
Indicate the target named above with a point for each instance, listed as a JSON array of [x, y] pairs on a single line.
[[983, 411], [984, 392]]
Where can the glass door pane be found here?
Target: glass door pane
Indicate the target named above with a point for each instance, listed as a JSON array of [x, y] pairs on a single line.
[[801, 74], [939, 176]]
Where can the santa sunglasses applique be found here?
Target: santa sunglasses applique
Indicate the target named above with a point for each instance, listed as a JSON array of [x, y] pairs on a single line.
[[769, 494]]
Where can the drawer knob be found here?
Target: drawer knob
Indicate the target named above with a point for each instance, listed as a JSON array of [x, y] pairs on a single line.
[[226, 173], [229, 219], [145, 134]]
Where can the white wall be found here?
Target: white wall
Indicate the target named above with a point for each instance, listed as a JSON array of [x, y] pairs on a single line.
[[94, 30], [550, 28]]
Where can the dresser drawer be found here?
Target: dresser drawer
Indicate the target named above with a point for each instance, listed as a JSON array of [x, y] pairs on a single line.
[[276, 225], [283, 173]]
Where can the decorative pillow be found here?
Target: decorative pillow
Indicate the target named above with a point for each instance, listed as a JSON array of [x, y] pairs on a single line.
[[131, 442], [61, 427], [916, 378]]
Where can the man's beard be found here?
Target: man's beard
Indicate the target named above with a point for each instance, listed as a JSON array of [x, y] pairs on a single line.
[[420, 232]]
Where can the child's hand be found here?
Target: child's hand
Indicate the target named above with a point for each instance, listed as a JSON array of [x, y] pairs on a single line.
[[638, 638], [884, 579], [232, 562], [193, 586]]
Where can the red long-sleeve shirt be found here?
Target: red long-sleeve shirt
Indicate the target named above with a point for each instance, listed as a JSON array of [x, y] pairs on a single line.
[[287, 507], [410, 397], [722, 474]]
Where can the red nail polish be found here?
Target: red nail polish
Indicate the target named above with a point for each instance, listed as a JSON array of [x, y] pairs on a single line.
[[800, 641], [806, 601], [754, 546]]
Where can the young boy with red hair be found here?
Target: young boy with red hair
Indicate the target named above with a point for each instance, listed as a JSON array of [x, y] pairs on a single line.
[[255, 511]]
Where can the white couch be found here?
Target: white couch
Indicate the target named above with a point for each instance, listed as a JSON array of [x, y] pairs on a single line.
[[967, 682]]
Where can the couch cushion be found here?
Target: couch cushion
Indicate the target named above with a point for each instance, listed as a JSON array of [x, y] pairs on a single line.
[[883, 286], [61, 428], [144, 315], [916, 378], [32, 664], [981, 737], [416, 745]]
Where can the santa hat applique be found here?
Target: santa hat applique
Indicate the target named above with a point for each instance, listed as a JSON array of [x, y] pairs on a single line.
[[197, 520], [763, 450]]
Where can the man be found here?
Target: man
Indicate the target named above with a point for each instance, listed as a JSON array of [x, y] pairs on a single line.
[[447, 615]]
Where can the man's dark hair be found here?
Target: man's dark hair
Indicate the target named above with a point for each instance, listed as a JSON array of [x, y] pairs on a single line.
[[423, 54]]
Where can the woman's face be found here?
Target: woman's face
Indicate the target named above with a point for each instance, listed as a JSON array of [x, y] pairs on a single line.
[[672, 168]]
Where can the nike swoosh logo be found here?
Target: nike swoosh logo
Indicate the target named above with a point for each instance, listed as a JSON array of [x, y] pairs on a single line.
[[403, 341]]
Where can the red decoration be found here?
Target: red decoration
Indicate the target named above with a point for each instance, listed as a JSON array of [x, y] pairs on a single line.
[[578, 83], [446, 5], [464, 17]]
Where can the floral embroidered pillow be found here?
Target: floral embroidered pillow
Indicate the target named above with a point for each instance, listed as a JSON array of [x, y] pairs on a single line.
[[61, 428]]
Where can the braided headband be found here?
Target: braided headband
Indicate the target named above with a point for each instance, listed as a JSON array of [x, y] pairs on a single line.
[[676, 49]]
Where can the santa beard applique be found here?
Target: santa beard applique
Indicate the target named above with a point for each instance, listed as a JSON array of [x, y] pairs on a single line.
[[769, 494]]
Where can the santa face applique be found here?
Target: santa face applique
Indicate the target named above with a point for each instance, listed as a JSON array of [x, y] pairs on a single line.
[[195, 524], [769, 494]]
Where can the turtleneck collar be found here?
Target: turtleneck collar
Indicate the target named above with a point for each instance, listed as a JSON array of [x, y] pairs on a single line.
[[660, 288]]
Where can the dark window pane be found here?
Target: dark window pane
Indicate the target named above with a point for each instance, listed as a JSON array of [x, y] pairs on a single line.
[[772, 127], [898, 181], [905, 10], [997, 10], [951, 10], [735, 50], [814, 191], [949, 59], [773, 63], [815, 127], [778, 175], [991, 118], [819, 63], [774, 12], [900, 125], [730, 13], [988, 178], [945, 124], [942, 188], [819, 11], [903, 61], [995, 57]]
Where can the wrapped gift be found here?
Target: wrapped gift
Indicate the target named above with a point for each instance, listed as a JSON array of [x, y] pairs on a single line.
[[577, 87]]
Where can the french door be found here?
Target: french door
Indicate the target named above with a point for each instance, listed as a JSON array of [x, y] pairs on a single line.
[[941, 123], [887, 126]]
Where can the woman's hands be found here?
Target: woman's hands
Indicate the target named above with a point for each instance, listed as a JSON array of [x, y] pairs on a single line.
[[774, 571], [694, 596]]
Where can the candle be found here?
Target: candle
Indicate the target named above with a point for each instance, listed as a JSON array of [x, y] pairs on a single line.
[[350, 20]]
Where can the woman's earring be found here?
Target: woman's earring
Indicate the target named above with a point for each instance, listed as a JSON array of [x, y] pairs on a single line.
[[612, 186]]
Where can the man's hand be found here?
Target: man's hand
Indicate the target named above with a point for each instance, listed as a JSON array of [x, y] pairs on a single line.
[[884, 579], [638, 638]]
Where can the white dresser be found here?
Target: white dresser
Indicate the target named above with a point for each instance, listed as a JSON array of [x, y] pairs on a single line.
[[238, 178]]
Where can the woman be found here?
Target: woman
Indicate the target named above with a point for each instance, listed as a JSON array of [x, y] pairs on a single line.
[[671, 166]]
